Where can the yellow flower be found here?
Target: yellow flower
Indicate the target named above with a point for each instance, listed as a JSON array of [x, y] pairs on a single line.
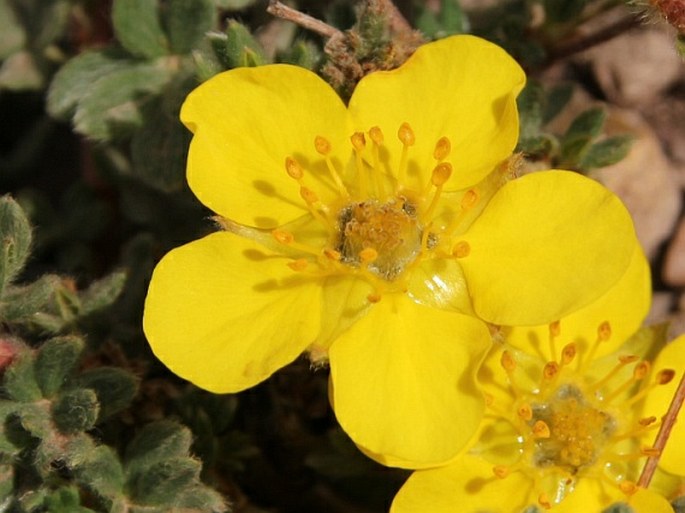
[[567, 430], [374, 237]]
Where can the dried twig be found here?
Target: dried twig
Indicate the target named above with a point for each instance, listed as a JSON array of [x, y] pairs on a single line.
[[664, 432], [281, 10]]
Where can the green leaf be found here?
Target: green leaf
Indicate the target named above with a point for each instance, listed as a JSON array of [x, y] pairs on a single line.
[[233, 5], [114, 387], [450, 19], [588, 123], [13, 37], [572, 150], [35, 418], [241, 48], [15, 240], [20, 304], [20, 379], [65, 500], [155, 443], [159, 149], [112, 107], [163, 482], [102, 293], [76, 410], [606, 152], [187, 22], [6, 482], [101, 473], [138, 28], [537, 147], [75, 79], [56, 359], [530, 103], [556, 99], [304, 54]]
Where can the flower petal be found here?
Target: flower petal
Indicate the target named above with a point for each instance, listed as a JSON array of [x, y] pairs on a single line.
[[467, 485], [547, 244], [624, 306], [245, 123], [222, 313], [403, 384], [658, 401], [461, 87]]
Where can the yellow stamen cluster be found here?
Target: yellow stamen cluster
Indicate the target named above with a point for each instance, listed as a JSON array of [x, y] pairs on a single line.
[[568, 427], [374, 233]]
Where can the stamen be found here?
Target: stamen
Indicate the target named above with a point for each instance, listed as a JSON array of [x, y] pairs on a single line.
[[293, 168], [298, 265], [541, 429], [358, 143], [543, 500], [332, 254], [374, 297], [461, 249], [441, 173], [639, 373], [508, 363], [622, 362], [323, 148], [603, 335], [376, 136], [525, 412], [568, 353], [468, 201], [368, 255], [500, 471], [628, 487], [288, 239], [442, 149], [663, 377], [406, 136], [554, 331], [549, 372]]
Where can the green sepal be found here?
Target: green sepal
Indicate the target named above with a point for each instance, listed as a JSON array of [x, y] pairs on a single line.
[[20, 379], [537, 147], [35, 419], [679, 504], [606, 152], [15, 240], [530, 105], [114, 387], [56, 359], [241, 49], [6, 482], [680, 45], [304, 54], [187, 23], [76, 410], [138, 28], [555, 100]]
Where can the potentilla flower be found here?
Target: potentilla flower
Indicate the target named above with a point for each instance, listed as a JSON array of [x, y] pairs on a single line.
[[566, 430], [376, 237]]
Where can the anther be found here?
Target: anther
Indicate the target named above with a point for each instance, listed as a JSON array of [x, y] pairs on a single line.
[[442, 149], [525, 412], [368, 255], [550, 370], [628, 487], [441, 173], [358, 141], [308, 195], [293, 168], [322, 145], [541, 429], [469, 199], [568, 353], [283, 236], [543, 500], [507, 361], [406, 134], [376, 135], [554, 329], [628, 358], [604, 331], [647, 421], [641, 370], [298, 265], [332, 254], [461, 249], [500, 471], [488, 398], [650, 452], [665, 376], [373, 297]]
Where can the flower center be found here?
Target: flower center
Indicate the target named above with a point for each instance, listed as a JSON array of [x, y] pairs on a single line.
[[390, 229], [377, 227], [577, 430], [567, 426]]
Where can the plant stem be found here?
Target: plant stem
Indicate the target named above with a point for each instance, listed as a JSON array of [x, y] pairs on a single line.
[[281, 10]]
